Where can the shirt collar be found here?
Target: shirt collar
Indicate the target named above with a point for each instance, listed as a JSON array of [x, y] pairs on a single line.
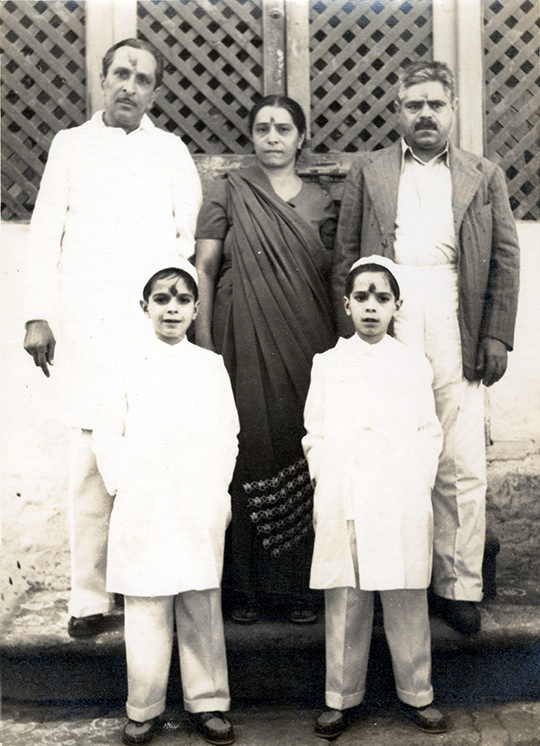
[[373, 348], [408, 154], [167, 349], [146, 124], [147, 341]]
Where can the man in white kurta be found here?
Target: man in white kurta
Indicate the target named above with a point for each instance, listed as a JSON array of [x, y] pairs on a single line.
[[372, 445], [118, 197]]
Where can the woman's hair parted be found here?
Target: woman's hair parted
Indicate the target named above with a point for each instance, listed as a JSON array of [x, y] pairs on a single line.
[[283, 102]]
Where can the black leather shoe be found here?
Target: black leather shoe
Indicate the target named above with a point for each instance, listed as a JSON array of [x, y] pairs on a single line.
[[86, 626], [331, 723], [429, 719], [137, 733], [463, 616], [214, 727]]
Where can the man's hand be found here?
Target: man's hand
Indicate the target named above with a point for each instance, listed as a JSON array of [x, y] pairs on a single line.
[[39, 342], [492, 360]]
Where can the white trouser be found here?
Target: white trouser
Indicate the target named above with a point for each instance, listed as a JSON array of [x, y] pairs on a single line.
[[349, 622], [428, 321], [149, 627], [90, 508]]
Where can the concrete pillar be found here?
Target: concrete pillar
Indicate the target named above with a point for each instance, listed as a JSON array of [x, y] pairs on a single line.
[[273, 47], [297, 56], [107, 21], [470, 56], [457, 40]]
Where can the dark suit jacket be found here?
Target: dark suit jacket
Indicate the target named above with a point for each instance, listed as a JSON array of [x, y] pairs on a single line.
[[487, 246]]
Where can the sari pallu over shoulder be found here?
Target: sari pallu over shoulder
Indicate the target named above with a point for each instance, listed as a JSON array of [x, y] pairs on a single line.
[[281, 317]]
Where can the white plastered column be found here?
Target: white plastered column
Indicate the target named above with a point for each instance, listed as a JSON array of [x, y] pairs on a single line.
[[107, 21], [457, 40]]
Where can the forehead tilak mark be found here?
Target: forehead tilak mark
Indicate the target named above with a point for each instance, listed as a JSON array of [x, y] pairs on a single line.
[[132, 60]]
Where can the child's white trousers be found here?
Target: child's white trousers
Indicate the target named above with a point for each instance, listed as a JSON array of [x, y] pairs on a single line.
[[149, 628], [349, 623], [90, 507]]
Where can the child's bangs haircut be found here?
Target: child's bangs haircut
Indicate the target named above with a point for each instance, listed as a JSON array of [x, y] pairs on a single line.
[[172, 272], [371, 267]]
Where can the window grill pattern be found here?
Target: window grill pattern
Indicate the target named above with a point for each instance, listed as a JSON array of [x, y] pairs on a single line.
[[43, 91], [213, 72], [357, 48], [511, 37]]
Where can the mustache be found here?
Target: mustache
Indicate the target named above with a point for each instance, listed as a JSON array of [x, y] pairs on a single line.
[[425, 124]]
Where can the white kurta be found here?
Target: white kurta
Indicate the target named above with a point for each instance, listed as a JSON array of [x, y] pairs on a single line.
[[112, 209], [372, 445], [166, 444]]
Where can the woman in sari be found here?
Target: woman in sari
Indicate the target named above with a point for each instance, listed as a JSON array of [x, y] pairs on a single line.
[[263, 257]]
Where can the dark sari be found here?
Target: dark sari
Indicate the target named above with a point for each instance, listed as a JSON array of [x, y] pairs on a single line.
[[275, 315]]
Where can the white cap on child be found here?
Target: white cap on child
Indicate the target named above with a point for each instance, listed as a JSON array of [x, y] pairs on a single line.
[[179, 262], [186, 266], [383, 261]]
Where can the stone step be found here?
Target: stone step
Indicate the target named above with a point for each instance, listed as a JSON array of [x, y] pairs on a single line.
[[275, 661]]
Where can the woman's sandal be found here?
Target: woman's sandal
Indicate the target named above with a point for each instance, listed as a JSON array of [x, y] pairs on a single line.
[[244, 613], [303, 615]]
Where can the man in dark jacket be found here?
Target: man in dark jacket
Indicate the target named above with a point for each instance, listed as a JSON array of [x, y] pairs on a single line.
[[443, 214]]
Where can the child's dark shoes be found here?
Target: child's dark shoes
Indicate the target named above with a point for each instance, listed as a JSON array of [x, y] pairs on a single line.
[[136, 733], [214, 727], [331, 723], [429, 719]]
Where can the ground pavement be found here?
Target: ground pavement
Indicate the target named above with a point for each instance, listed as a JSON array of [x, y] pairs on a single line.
[[512, 724], [71, 692]]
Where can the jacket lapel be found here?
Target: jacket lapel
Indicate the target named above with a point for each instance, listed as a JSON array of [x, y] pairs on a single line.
[[382, 182], [382, 174], [466, 179]]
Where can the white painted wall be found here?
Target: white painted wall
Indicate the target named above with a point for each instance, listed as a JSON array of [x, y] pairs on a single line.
[[515, 400]]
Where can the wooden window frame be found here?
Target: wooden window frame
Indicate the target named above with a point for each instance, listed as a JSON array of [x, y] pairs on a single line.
[[457, 40]]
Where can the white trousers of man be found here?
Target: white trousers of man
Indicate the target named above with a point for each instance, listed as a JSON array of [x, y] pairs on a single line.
[[90, 507], [428, 321], [349, 623], [149, 628]]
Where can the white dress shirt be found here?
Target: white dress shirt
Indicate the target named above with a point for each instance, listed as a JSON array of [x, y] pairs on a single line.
[[425, 220]]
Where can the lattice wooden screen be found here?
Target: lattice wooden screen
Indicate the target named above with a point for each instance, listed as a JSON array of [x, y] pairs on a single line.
[[214, 73], [357, 47], [43, 91], [511, 37], [214, 70]]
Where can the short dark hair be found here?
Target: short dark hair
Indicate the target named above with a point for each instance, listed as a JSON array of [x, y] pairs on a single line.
[[283, 102], [371, 267], [136, 44], [425, 71], [163, 274]]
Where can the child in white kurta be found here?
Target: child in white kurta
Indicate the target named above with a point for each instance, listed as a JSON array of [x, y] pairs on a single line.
[[372, 445], [166, 444]]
